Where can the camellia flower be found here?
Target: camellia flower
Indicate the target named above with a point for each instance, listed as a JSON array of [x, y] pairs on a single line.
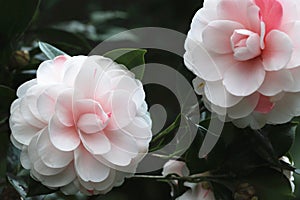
[[246, 58], [82, 124], [197, 191]]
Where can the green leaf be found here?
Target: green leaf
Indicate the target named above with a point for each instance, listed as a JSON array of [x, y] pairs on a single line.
[[270, 184], [281, 137], [36, 188], [131, 58], [50, 51], [163, 138]]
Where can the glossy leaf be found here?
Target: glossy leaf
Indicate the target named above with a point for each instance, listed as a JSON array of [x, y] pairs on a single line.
[[36, 188], [50, 51], [270, 184], [131, 58]]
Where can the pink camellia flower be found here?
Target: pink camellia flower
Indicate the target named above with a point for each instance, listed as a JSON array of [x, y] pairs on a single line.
[[245, 55], [82, 124], [197, 191]]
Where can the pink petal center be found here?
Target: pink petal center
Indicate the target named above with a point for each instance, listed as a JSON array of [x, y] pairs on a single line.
[[271, 12], [245, 44], [264, 105]]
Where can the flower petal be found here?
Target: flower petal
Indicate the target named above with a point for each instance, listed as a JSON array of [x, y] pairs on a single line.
[[118, 156], [122, 108], [96, 143], [88, 168], [244, 12], [271, 13], [244, 108], [276, 82], [57, 180], [124, 141], [286, 108], [51, 156], [216, 35], [292, 29], [64, 107], [62, 137], [200, 61], [244, 78], [278, 51], [21, 91], [216, 93]]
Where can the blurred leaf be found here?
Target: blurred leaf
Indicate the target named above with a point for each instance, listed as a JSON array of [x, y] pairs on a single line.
[[100, 17], [221, 192], [15, 16], [7, 95], [50, 51], [36, 188], [281, 137], [270, 184], [131, 58], [61, 38], [4, 141]]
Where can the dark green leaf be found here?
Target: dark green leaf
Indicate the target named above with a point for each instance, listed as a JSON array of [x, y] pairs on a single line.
[[67, 41], [281, 137], [15, 16], [221, 192], [270, 184], [7, 95], [161, 139], [19, 184], [131, 58], [36, 188], [50, 51]]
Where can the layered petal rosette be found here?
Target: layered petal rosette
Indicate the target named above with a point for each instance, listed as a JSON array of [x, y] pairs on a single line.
[[245, 55], [82, 124]]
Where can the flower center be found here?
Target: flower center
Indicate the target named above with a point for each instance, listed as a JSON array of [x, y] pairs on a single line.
[[245, 44], [93, 123]]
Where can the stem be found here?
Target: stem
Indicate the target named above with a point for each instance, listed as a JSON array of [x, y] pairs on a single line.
[[192, 179]]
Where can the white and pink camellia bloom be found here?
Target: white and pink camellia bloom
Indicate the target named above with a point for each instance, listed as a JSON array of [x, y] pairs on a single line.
[[82, 124], [246, 56], [196, 191]]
